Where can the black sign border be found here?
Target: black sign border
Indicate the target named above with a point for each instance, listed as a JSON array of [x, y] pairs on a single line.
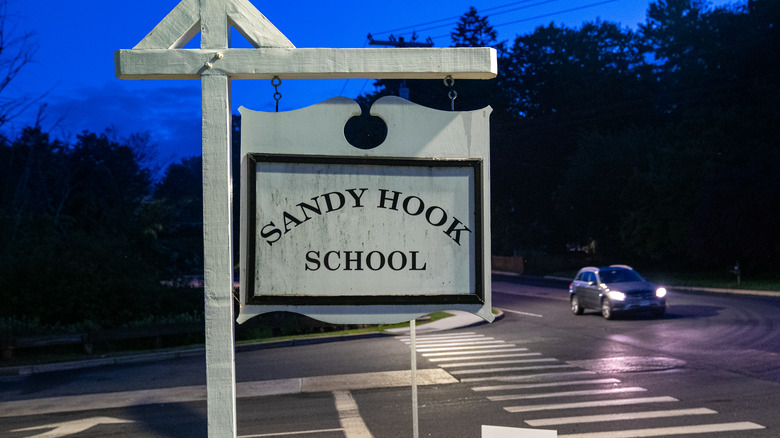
[[253, 159]]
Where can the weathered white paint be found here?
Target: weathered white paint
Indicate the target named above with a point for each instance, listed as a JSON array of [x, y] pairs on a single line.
[[70, 428], [414, 132], [390, 252], [516, 432], [160, 56], [218, 260], [183, 23], [310, 63]]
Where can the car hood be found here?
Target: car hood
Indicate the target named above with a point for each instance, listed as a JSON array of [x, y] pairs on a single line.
[[632, 287]]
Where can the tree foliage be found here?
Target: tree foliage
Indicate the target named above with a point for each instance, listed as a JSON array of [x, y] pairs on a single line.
[[473, 30], [17, 50], [80, 239], [655, 145], [697, 191]]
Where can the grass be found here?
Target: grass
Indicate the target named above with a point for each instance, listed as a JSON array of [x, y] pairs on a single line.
[[718, 280], [41, 356], [369, 329]]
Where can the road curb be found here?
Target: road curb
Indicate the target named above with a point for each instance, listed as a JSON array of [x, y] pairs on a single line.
[[15, 372], [764, 293]]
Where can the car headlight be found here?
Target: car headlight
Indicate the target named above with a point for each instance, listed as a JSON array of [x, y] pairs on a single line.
[[617, 296], [660, 292]]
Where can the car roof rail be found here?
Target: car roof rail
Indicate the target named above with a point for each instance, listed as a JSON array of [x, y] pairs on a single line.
[[622, 266]]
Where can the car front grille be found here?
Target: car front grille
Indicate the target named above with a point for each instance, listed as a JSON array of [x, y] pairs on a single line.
[[641, 295]]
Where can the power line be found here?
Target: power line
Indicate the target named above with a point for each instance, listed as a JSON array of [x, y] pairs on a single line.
[[451, 21], [454, 20]]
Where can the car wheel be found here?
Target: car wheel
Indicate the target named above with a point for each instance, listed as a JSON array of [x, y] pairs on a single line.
[[606, 309], [575, 305], [659, 313]]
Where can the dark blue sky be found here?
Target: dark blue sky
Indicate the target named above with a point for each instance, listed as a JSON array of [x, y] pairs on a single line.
[[74, 64]]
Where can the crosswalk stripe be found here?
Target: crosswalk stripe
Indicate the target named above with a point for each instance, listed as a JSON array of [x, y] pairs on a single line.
[[495, 362], [469, 350], [531, 377], [669, 431], [509, 349], [483, 357], [503, 370], [449, 341], [544, 385], [590, 404], [473, 347], [443, 336], [458, 344], [278, 434], [619, 417], [565, 394]]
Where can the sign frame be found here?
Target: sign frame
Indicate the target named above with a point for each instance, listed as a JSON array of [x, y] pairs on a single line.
[[475, 165]]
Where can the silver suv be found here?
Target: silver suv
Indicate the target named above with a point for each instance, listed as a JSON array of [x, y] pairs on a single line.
[[614, 289]]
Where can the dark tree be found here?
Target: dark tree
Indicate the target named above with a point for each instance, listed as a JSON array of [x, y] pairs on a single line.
[[17, 50], [79, 242], [180, 197], [473, 31]]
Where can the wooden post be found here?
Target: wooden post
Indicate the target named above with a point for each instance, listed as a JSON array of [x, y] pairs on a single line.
[[217, 223], [218, 260]]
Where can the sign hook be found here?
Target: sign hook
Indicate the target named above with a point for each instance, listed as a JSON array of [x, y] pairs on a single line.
[[449, 81], [275, 82]]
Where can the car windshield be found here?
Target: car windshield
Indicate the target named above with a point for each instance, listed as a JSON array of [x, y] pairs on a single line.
[[618, 276]]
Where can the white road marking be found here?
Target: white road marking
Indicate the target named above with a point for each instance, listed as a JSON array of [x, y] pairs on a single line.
[[496, 362], [441, 336], [565, 394], [456, 345], [70, 427], [349, 416], [669, 431], [451, 341], [477, 347], [503, 370], [531, 377], [544, 385], [483, 357], [517, 312], [509, 349], [590, 404], [619, 417], [300, 432]]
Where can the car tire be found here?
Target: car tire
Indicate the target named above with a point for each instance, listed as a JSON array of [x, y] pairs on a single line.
[[659, 313], [575, 305], [606, 309]]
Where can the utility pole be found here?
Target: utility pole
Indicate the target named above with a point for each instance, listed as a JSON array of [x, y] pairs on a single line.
[[400, 42]]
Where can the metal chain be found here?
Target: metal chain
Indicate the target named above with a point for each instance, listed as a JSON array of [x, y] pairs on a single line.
[[275, 82], [449, 81]]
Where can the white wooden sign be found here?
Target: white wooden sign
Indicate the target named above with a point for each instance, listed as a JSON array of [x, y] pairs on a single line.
[[365, 236], [161, 55]]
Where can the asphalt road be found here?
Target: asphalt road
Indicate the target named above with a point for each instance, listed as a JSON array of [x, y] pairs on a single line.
[[710, 368]]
